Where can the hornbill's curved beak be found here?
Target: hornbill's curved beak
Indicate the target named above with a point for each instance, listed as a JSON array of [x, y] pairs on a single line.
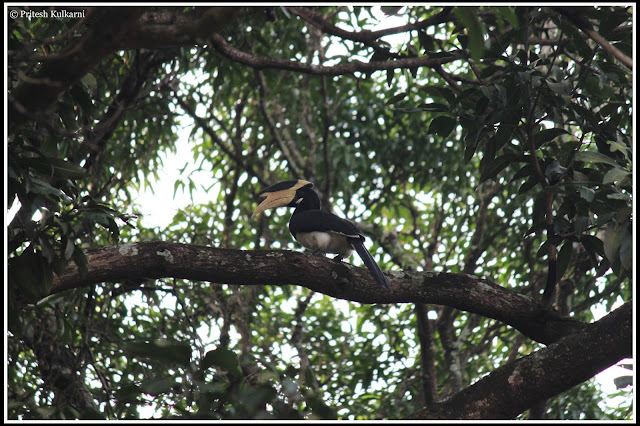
[[279, 195]]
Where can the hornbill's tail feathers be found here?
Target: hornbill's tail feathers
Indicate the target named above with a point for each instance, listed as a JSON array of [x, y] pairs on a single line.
[[370, 263]]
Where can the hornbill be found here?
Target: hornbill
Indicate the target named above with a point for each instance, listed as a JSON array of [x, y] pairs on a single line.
[[317, 229]]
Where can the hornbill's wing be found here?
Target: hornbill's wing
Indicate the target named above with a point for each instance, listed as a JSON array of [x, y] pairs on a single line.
[[322, 221]]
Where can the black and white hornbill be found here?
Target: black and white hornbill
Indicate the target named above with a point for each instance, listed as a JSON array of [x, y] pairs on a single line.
[[317, 229]]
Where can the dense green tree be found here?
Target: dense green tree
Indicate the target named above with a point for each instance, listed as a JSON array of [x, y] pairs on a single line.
[[486, 152]]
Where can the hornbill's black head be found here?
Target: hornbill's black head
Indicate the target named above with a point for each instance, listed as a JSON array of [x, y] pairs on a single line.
[[289, 193]]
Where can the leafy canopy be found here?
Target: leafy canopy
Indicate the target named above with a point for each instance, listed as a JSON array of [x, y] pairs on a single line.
[[494, 141]]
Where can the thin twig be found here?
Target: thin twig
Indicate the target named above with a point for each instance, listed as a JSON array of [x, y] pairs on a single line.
[[292, 163], [585, 26], [214, 137]]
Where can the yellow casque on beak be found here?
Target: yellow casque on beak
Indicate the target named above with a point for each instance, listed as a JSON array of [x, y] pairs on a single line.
[[278, 197]]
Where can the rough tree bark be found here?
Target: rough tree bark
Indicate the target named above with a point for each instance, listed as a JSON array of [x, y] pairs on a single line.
[[516, 386], [336, 279]]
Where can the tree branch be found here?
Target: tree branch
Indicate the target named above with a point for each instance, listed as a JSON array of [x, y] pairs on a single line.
[[517, 386], [173, 28], [109, 29], [367, 37], [217, 141], [428, 375], [59, 71], [154, 260], [295, 162], [585, 26], [259, 62], [59, 365]]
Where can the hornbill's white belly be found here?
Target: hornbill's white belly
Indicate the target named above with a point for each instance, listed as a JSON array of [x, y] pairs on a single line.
[[326, 242]]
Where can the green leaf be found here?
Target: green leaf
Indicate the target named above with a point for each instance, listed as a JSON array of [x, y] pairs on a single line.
[[469, 18], [442, 125], [69, 248], [112, 226], [56, 167], [128, 392], [585, 116], [580, 178], [587, 194], [40, 186], [504, 135], [594, 157], [547, 135], [396, 98], [564, 258], [543, 250], [31, 275], [508, 14], [619, 196], [426, 41], [80, 259], [526, 170], [610, 21], [528, 185], [390, 10], [496, 166], [580, 224], [592, 244], [223, 358], [626, 250], [390, 74], [157, 386], [90, 83], [379, 57], [471, 140], [619, 145], [554, 170], [615, 175], [169, 353], [613, 237], [563, 88], [434, 106], [596, 88], [67, 170]]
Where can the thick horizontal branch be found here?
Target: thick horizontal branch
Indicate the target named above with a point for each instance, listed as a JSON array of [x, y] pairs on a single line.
[[260, 62], [109, 29], [517, 386], [162, 29], [135, 28], [154, 260]]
